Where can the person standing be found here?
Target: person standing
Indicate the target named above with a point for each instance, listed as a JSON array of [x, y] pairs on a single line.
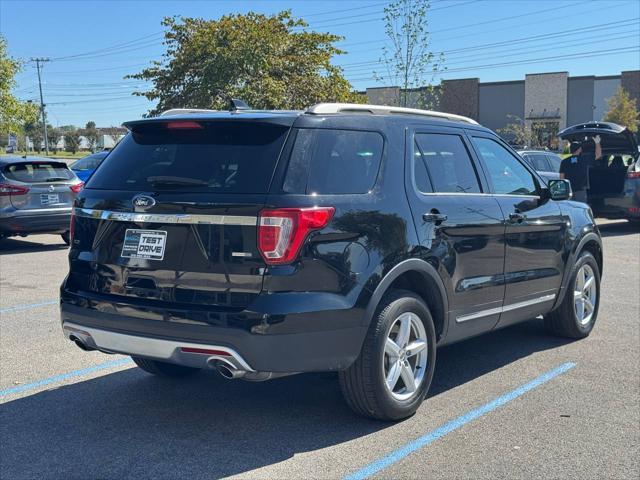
[[575, 168]]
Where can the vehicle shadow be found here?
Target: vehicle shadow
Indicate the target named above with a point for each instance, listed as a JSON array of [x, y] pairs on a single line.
[[20, 245], [623, 227], [129, 424]]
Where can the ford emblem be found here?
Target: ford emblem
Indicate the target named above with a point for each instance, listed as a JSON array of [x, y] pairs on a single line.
[[143, 202]]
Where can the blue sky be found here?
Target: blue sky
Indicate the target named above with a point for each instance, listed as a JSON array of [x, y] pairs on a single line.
[[493, 40]]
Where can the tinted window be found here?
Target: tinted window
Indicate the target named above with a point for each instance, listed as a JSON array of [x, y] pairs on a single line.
[[224, 157], [87, 163], [507, 174], [554, 161], [421, 176], [327, 161], [538, 161], [448, 163], [38, 172]]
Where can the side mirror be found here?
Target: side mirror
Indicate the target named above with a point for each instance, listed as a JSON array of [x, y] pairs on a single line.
[[560, 189]]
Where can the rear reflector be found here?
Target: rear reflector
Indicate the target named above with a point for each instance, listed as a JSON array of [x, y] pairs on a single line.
[[7, 189], [77, 187], [205, 351], [184, 125], [72, 227], [282, 231]]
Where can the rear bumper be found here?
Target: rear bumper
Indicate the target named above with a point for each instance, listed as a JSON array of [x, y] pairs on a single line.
[[41, 222], [302, 350]]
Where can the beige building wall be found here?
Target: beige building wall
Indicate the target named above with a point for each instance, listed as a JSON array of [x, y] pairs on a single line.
[[545, 94]]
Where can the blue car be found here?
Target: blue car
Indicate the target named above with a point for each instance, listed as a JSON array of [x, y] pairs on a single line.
[[84, 167]]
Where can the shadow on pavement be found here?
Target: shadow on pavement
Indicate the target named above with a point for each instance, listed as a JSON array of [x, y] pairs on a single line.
[[20, 245], [130, 424], [623, 227]]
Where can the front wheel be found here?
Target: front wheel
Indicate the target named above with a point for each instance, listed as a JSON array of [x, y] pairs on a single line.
[[577, 314], [392, 375]]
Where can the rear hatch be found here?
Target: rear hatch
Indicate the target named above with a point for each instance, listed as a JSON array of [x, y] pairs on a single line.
[[45, 184], [616, 140], [171, 214]]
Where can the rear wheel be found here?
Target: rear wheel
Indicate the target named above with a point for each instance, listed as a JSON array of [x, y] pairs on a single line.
[[577, 314], [392, 375], [66, 237], [163, 369]]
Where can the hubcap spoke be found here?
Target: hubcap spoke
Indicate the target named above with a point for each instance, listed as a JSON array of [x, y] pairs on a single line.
[[588, 305], [588, 284], [415, 347], [580, 309], [394, 375], [407, 378], [577, 294], [392, 349], [405, 331]]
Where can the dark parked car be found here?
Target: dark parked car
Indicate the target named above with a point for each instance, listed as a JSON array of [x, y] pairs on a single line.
[[544, 162], [36, 195], [84, 167], [614, 180], [348, 238]]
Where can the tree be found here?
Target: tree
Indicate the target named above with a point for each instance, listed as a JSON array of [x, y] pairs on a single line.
[[408, 60], [622, 110], [271, 62], [33, 130], [13, 113], [72, 140], [92, 135]]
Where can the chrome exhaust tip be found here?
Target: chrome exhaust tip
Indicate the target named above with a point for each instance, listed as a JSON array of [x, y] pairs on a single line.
[[81, 345], [227, 370]]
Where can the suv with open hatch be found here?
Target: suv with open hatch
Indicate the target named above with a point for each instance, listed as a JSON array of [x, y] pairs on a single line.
[[347, 238]]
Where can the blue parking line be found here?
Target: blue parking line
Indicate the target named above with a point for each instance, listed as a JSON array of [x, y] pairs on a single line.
[[17, 308], [449, 427], [65, 376]]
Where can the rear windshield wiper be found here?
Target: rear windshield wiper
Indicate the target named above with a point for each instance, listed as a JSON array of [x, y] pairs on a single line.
[[169, 180], [56, 179]]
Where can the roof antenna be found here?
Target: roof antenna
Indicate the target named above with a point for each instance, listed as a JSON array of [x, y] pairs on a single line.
[[235, 104]]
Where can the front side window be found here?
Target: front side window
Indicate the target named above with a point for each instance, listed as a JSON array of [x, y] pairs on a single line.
[[448, 163], [507, 174], [328, 161], [538, 161]]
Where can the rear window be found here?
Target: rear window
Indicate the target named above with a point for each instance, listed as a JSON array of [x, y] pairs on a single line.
[[327, 161], [216, 157], [38, 172], [87, 163]]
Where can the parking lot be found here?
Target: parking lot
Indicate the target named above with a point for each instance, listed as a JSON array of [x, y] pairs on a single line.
[[492, 411]]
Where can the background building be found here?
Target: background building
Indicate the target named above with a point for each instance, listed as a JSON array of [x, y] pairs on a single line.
[[551, 101]]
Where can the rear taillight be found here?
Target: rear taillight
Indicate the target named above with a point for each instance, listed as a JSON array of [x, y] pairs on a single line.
[[77, 187], [72, 227], [282, 231], [633, 175], [7, 189], [182, 125]]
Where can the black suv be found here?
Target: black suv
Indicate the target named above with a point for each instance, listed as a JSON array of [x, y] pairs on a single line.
[[348, 238]]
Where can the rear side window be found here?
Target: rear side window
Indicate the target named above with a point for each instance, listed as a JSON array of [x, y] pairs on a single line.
[[327, 161], [87, 163], [215, 157], [38, 172], [538, 161], [448, 163]]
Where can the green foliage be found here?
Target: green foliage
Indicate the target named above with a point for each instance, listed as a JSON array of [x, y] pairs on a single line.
[[517, 133], [408, 61], [13, 113], [623, 110], [271, 62], [72, 140], [90, 132]]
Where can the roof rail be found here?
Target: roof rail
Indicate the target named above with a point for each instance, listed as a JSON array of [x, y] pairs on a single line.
[[181, 111], [325, 108]]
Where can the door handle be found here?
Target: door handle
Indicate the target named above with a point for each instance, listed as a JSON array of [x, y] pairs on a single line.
[[517, 217], [434, 217]]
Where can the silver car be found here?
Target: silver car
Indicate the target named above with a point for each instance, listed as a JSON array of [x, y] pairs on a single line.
[[36, 196]]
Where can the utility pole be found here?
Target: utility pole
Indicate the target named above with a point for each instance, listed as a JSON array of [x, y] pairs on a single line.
[[44, 121]]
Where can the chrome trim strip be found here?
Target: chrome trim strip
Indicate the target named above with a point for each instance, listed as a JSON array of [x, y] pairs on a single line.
[[505, 308], [161, 349], [182, 218]]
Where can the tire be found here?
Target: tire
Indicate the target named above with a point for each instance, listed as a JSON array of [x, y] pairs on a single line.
[[364, 383], [66, 237], [163, 369], [564, 321]]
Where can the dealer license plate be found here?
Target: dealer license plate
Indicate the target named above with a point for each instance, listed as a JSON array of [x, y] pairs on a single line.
[[149, 244]]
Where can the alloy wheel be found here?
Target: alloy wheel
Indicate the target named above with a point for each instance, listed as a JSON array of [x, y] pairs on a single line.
[[585, 294]]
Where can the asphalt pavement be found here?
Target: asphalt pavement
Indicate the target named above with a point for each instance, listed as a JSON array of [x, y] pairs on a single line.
[[516, 403]]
